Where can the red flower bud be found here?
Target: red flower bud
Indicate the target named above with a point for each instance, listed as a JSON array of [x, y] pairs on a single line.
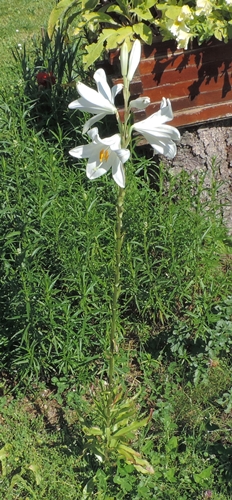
[[45, 79]]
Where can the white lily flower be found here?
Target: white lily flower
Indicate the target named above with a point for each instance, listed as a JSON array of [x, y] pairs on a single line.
[[134, 59], [160, 136], [103, 154], [140, 103], [100, 103]]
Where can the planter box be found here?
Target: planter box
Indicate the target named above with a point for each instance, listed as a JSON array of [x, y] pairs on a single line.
[[198, 81]]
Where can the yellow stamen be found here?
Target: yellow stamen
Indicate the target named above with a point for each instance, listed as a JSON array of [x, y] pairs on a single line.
[[104, 155]]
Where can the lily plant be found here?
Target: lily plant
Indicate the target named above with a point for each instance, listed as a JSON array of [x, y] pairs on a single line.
[[115, 413]]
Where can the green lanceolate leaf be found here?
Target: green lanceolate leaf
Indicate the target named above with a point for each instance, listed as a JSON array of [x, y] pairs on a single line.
[[113, 443], [123, 418], [113, 38], [95, 449], [3, 455], [116, 39], [203, 476], [59, 11], [124, 7], [172, 444], [92, 431], [132, 427], [101, 17], [88, 489], [95, 50], [149, 3], [79, 28], [144, 32], [35, 469], [112, 41], [117, 10], [128, 453], [132, 456], [143, 13], [144, 467], [172, 12], [89, 4]]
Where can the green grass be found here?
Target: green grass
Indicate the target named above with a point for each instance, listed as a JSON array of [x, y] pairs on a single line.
[[188, 444], [57, 268], [56, 241], [40, 459], [20, 21]]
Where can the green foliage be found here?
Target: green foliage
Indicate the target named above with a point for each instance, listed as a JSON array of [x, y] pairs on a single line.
[[108, 25], [114, 415], [18, 24], [32, 460], [201, 20], [188, 445], [47, 105]]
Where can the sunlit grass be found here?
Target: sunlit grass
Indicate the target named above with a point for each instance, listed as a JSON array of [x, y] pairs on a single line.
[[20, 21]]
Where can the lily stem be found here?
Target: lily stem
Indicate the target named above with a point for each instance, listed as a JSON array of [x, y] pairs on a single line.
[[123, 127], [117, 288]]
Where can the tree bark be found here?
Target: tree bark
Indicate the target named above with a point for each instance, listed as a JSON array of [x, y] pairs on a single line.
[[208, 149]]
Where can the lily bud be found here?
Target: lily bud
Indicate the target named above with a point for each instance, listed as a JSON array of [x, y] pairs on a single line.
[[124, 59], [134, 59], [140, 103]]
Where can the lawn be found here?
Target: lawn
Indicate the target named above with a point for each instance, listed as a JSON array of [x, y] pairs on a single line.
[[20, 21], [173, 363]]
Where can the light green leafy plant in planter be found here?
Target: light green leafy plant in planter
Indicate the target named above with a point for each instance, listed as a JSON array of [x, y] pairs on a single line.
[[106, 24], [113, 424]]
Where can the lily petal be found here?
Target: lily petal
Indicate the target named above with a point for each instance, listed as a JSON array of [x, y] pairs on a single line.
[[84, 151], [95, 98], [99, 103], [115, 90], [123, 154], [118, 173], [84, 105], [166, 148], [102, 84], [93, 134], [92, 120], [170, 150], [160, 136], [103, 154], [114, 142], [74, 104], [163, 131], [166, 109], [95, 169]]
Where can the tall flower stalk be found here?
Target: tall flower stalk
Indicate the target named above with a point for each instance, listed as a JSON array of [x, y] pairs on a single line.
[[117, 288], [115, 413], [128, 68]]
